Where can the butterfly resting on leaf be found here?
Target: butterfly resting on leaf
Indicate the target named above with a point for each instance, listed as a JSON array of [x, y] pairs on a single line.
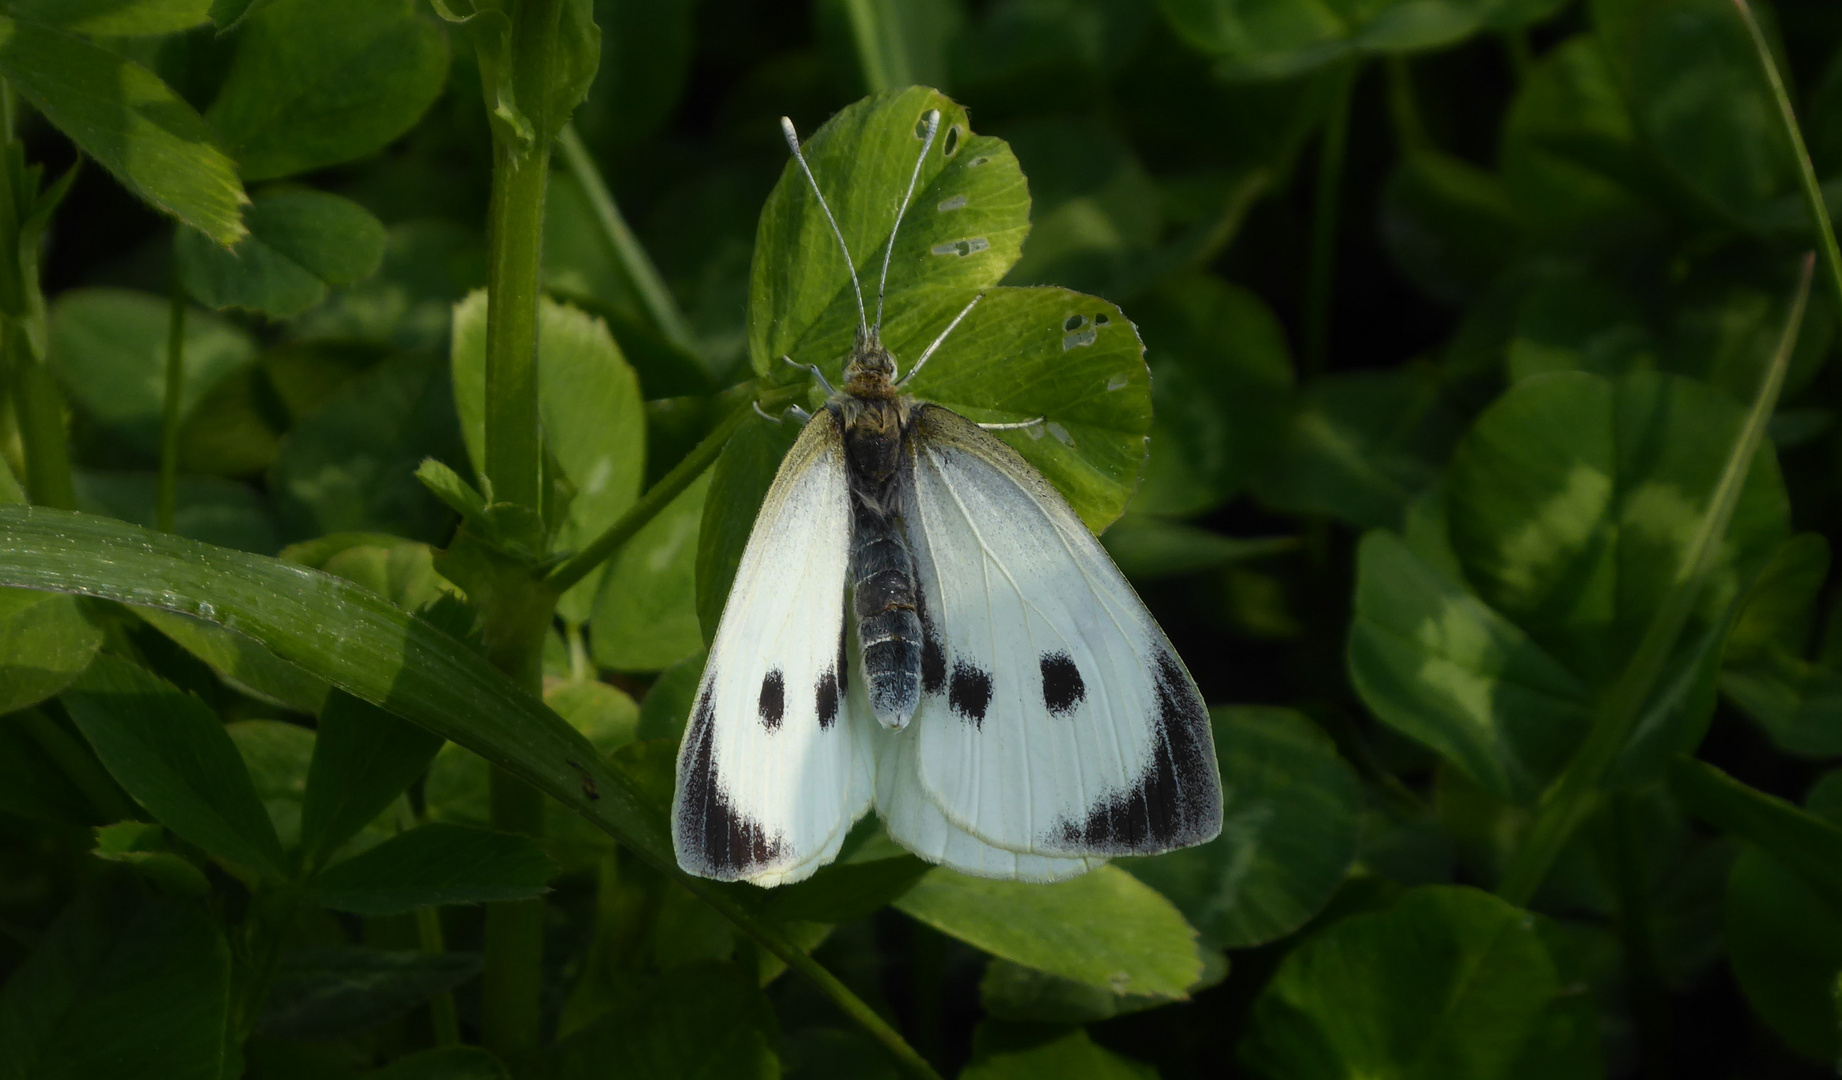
[[921, 623]]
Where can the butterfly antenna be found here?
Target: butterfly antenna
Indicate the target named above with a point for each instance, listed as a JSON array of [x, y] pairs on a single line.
[[786, 127], [927, 143]]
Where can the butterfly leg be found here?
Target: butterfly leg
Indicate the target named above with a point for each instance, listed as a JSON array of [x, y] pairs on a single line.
[[1012, 427], [816, 373]]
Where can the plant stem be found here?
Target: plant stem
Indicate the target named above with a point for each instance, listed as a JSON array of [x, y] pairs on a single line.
[[881, 70], [169, 411], [1806, 171], [632, 257], [853, 1006], [1324, 221], [39, 409], [669, 487], [1577, 793], [1404, 108], [442, 1016], [511, 1005]]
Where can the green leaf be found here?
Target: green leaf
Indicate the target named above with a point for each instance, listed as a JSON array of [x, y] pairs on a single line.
[[1013, 992], [1574, 501], [1059, 1053], [277, 756], [1094, 209], [1808, 845], [667, 705], [1359, 447], [434, 864], [318, 82], [606, 714], [363, 758], [1221, 387], [646, 613], [342, 632], [241, 662], [738, 484], [45, 643], [1150, 549], [1579, 322], [1274, 39], [1784, 941], [1289, 826], [1434, 662], [113, 18], [143, 849], [228, 13], [592, 416], [971, 205], [1075, 361], [443, 1063], [122, 115], [300, 243], [1688, 70], [1796, 701], [401, 571], [351, 466], [170, 752], [1569, 146], [1104, 928], [108, 347], [1446, 982], [704, 1020], [125, 983], [336, 993]]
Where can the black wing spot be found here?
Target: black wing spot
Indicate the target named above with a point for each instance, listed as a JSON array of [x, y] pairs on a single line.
[[1062, 685], [970, 695], [1176, 801], [773, 704], [933, 657], [827, 695], [710, 830]]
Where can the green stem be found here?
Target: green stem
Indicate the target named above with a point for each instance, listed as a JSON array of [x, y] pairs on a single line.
[[632, 257], [1577, 793], [442, 1016], [38, 407], [880, 70], [669, 487], [828, 984], [1806, 171], [169, 411], [1326, 205], [1404, 108], [511, 987]]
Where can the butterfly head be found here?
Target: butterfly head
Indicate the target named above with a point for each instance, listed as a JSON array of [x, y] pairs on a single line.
[[870, 371]]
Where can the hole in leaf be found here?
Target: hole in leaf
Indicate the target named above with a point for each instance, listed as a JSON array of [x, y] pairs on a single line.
[[961, 247], [951, 145], [1073, 322], [921, 127], [976, 162], [1101, 319], [954, 203]]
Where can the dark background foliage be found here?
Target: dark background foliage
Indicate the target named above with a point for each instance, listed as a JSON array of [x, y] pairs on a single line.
[[1388, 275]]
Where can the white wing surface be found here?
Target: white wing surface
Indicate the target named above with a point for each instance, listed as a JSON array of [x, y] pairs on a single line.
[[1056, 721], [771, 773]]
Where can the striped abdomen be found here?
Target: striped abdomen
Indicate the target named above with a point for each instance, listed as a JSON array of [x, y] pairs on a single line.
[[883, 592]]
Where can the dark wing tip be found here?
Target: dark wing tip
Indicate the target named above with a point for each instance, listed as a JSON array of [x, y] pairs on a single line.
[[1177, 801], [712, 838]]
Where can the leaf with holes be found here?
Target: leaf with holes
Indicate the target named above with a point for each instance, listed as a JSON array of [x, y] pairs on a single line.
[[965, 227]]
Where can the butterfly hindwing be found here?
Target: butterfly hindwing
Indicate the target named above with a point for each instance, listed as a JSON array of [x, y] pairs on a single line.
[[1055, 719], [771, 772]]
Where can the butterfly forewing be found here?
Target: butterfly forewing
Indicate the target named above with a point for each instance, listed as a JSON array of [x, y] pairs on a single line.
[[1055, 719], [771, 773]]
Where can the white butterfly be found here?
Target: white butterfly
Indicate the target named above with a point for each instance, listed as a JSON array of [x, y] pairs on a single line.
[[920, 622]]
